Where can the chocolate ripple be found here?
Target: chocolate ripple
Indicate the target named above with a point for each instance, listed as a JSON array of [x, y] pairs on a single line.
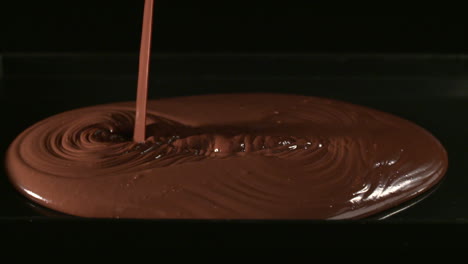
[[256, 156]]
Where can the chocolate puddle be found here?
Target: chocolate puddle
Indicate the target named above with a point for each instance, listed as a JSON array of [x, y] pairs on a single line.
[[241, 156], [237, 156]]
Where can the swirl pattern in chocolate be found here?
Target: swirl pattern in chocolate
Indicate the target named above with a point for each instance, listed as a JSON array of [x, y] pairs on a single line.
[[237, 156]]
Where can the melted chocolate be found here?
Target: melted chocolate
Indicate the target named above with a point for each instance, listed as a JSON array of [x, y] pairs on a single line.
[[143, 72], [250, 156]]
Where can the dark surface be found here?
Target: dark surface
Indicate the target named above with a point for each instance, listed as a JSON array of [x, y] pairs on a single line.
[[429, 90]]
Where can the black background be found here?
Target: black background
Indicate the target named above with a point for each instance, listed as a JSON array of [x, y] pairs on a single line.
[[81, 26]]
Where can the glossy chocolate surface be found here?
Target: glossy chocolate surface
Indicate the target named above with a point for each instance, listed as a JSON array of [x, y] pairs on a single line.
[[236, 156]]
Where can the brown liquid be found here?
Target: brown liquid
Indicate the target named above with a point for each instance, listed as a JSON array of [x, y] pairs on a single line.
[[252, 156], [142, 90]]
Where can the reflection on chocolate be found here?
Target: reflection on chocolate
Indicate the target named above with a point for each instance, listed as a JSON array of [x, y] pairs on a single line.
[[250, 156]]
